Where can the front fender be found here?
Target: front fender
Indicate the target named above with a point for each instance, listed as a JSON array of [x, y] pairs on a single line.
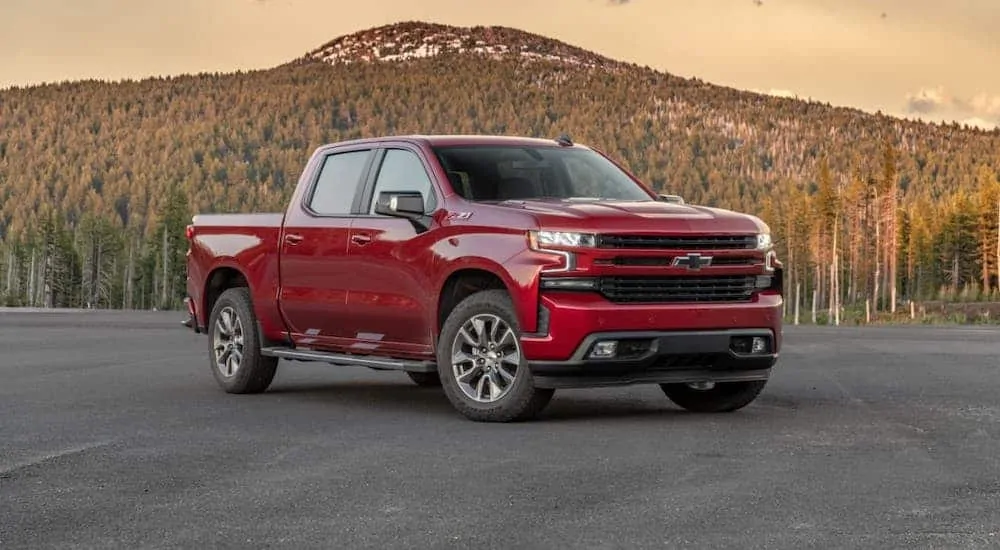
[[504, 255]]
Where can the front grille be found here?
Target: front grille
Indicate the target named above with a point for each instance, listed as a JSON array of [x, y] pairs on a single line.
[[725, 288], [733, 260], [666, 261], [679, 242]]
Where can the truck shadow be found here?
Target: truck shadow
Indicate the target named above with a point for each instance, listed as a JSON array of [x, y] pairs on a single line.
[[569, 407], [572, 408], [566, 406], [384, 396]]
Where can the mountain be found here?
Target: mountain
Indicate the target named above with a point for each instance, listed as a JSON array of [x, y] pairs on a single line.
[[418, 40], [98, 178]]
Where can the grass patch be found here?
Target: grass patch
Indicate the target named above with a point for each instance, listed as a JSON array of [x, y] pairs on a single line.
[[936, 312]]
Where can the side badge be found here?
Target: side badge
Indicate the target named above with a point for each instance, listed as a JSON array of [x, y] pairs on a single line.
[[459, 215]]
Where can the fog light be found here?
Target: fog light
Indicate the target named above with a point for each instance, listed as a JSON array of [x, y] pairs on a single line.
[[604, 349], [754, 345], [633, 348]]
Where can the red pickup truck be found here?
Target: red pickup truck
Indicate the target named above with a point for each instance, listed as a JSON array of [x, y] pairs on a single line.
[[500, 268]]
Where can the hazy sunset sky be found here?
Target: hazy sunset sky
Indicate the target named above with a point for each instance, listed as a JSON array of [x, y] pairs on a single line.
[[931, 58]]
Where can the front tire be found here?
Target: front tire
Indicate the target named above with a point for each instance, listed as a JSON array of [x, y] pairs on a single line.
[[234, 345], [482, 369], [720, 397]]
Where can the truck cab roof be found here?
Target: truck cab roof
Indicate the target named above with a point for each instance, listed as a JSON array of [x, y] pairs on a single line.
[[452, 140]]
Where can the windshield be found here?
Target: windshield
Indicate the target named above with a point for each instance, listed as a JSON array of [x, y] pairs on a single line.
[[499, 172]]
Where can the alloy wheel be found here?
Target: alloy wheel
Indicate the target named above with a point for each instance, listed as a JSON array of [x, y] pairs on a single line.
[[227, 338], [485, 357]]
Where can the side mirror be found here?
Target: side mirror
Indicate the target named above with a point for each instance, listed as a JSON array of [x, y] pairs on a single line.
[[663, 197], [400, 204], [404, 204]]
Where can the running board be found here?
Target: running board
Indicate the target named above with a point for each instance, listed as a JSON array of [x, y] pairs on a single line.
[[371, 361]]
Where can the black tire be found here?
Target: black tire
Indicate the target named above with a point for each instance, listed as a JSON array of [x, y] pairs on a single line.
[[522, 400], [425, 379], [724, 397], [255, 371]]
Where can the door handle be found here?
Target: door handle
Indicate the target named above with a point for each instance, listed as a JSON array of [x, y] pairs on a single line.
[[293, 239], [361, 238]]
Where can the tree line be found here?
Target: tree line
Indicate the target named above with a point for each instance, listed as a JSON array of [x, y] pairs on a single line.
[[96, 263], [860, 244]]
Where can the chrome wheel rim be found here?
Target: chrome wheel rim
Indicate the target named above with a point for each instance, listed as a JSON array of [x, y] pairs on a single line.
[[485, 357], [227, 340]]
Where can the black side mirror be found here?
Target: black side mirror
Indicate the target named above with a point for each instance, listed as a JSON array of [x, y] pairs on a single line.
[[403, 204], [400, 204], [663, 197]]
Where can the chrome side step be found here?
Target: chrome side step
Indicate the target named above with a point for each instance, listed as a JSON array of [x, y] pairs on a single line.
[[348, 360]]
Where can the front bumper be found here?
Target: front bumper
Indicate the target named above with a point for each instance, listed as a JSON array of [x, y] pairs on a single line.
[[655, 343], [663, 357]]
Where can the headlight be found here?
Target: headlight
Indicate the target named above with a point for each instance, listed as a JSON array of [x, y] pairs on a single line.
[[764, 241], [550, 241], [543, 239]]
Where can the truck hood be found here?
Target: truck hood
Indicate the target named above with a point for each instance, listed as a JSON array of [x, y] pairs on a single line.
[[635, 216]]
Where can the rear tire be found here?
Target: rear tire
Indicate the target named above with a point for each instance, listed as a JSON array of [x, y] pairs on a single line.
[[234, 345], [723, 397], [425, 379], [481, 367]]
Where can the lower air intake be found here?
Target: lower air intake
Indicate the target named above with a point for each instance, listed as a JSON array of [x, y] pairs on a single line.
[[638, 289]]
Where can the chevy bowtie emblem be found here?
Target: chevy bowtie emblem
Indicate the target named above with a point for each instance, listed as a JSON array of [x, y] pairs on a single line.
[[692, 261]]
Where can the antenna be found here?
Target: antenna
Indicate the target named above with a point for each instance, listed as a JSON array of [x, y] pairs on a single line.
[[564, 140]]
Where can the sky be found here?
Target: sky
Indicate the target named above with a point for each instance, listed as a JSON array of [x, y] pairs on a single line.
[[928, 59]]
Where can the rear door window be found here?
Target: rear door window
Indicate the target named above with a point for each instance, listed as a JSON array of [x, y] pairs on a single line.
[[339, 181]]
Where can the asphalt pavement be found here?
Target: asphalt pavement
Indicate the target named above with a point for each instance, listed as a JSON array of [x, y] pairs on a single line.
[[113, 434]]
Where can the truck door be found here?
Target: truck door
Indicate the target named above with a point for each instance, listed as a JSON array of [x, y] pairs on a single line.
[[391, 297], [314, 264]]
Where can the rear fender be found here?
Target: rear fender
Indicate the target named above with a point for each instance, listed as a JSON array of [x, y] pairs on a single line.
[[256, 263]]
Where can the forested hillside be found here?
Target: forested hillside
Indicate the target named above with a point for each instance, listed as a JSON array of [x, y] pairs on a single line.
[[98, 179]]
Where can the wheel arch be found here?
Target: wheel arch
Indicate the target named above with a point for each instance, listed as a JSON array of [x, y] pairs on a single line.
[[514, 275], [463, 282], [220, 279]]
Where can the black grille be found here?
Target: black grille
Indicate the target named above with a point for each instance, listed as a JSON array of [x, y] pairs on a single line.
[[640, 261], [733, 260], [679, 242], [727, 288], [666, 261]]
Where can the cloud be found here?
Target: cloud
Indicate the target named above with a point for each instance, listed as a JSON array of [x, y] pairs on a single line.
[[981, 110], [927, 100], [977, 122], [986, 104]]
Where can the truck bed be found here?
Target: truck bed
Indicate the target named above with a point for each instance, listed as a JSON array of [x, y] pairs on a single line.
[[239, 221], [225, 244]]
